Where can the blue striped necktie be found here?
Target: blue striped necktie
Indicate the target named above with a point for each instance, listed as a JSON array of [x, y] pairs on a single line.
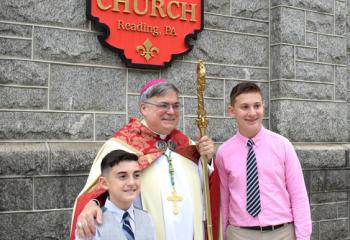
[[127, 227], [253, 192]]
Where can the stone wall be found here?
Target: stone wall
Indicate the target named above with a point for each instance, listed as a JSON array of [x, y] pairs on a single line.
[[62, 95]]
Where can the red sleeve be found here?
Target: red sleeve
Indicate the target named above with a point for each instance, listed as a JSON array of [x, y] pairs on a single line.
[[214, 185], [82, 200]]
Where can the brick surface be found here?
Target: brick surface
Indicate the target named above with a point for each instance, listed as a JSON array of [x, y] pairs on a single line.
[[23, 159], [250, 9], [38, 225], [23, 98], [23, 73], [12, 200], [36, 125], [321, 122], [235, 24], [15, 30], [86, 88], [69, 13], [15, 47], [71, 157], [62, 191]]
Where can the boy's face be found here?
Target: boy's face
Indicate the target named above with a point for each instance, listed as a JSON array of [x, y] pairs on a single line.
[[123, 183], [248, 110]]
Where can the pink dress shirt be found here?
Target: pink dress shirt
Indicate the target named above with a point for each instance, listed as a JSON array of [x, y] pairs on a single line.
[[282, 188]]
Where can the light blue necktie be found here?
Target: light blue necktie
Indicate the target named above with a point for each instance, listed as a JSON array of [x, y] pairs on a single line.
[[253, 192], [127, 227]]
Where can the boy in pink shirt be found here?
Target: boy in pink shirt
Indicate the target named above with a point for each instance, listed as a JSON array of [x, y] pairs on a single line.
[[263, 193]]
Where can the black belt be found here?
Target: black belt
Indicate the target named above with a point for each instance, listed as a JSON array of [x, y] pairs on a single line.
[[266, 228]]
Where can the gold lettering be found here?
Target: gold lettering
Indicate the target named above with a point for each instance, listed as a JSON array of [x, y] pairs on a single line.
[[169, 12], [101, 6], [192, 11], [136, 7], [159, 7], [121, 24], [126, 6]]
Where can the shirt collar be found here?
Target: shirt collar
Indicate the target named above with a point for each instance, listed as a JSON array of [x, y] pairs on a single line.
[[160, 135], [256, 139], [117, 212]]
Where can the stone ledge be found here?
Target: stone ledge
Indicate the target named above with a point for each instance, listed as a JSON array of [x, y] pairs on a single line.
[[321, 156]]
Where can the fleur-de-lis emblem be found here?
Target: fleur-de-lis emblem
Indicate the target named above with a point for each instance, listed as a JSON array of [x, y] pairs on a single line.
[[146, 50]]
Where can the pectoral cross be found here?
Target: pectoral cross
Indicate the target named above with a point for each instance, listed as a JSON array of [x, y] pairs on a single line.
[[174, 198]]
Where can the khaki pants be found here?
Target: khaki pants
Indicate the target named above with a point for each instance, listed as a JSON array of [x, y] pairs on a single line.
[[283, 233]]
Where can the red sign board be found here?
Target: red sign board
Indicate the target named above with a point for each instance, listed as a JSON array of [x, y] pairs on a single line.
[[147, 33]]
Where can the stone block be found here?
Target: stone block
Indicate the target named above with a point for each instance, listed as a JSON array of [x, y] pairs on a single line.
[[45, 125], [62, 191], [340, 83], [133, 106], [72, 157], [317, 181], [314, 5], [219, 129], [18, 194], [308, 54], [314, 72], [264, 86], [324, 211], [318, 22], [86, 88], [184, 76], [213, 107], [315, 121], [328, 197], [301, 90], [53, 225], [337, 180], [347, 23], [228, 23], [246, 73], [287, 26], [258, 9], [23, 73], [23, 159], [23, 98], [68, 13], [217, 6], [71, 46], [107, 124], [11, 47], [282, 62], [231, 48], [282, 2], [315, 231], [332, 49], [321, 156], [15, 30], [311, 39], [340, 18], [334, 229], [343, 210], [137, 78]]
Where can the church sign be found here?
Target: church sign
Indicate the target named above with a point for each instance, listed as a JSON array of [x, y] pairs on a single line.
[[147, 33]]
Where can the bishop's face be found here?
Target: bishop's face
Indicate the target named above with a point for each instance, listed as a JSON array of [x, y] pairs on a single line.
[[161, 113]]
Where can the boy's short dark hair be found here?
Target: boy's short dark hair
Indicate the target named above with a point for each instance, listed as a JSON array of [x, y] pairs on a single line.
[[115, 157], [243, 87]]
